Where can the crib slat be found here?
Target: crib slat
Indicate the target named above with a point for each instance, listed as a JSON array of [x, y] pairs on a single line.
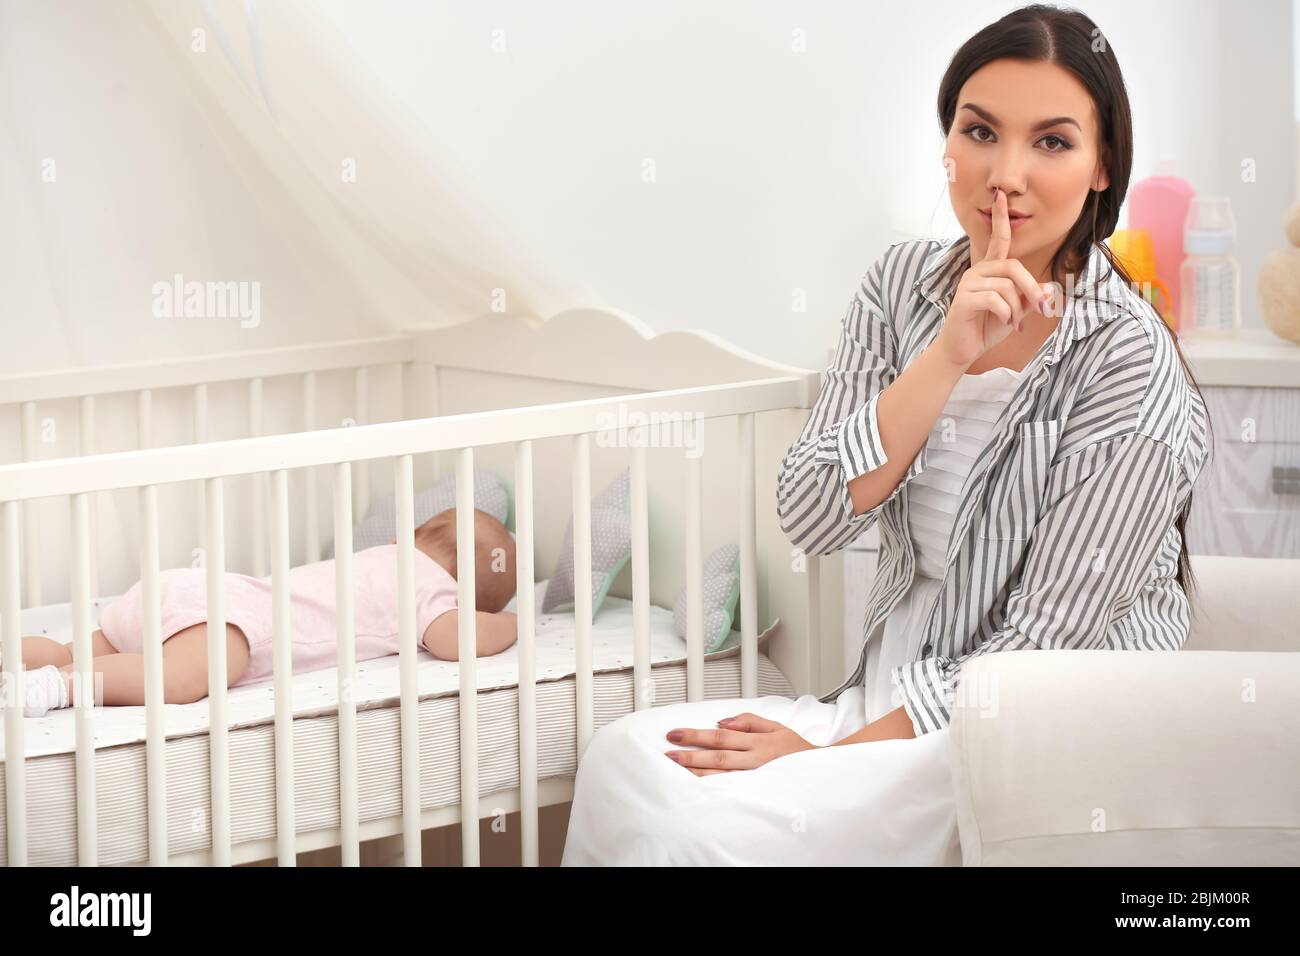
[[349, 825], [15, 750], [435, 409], [361, 469], [408, 648], [813, 645], [402, 372], [200, 433], [83, 684], [218, 723], [467, 656], [525, 603], [642, 677], [144, 418], [694, 572], [311, 501], [155, 728], [583, 681], [257, 524], [31, 532], [86, 440], [286, 827], [748, 561]]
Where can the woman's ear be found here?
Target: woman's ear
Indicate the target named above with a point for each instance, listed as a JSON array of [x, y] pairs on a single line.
[[1101, 181]]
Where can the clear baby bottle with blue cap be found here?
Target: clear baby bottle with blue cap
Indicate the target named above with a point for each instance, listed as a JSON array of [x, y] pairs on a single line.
[[1210, 276]]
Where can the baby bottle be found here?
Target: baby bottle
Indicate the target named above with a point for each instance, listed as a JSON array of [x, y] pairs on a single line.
[[1210, 277]]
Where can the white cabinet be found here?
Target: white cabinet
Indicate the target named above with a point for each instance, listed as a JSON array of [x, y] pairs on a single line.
[[1247, 500]]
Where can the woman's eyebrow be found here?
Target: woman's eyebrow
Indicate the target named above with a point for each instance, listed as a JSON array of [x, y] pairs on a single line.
[[990, 118]]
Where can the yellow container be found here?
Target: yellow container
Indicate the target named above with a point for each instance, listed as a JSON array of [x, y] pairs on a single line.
[[1132, 247]]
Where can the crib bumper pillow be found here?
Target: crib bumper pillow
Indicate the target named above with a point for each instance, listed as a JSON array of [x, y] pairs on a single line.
[[721, 595], [611, 548], [380, 525]]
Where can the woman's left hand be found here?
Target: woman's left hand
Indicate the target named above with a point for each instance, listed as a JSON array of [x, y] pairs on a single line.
[[743, 742]]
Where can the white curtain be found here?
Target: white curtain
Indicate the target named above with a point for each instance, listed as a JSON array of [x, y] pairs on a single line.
[[227, 141]]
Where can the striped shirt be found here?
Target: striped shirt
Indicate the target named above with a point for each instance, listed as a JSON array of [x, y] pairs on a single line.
[[1064, 536]]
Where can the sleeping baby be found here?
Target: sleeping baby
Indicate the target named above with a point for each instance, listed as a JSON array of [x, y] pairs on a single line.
[[118, 643]]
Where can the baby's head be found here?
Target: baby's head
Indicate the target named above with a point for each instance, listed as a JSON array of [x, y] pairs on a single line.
[[494, 555]]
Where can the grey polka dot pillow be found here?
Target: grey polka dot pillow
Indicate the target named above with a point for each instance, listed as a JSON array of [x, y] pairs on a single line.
[[380, 525], [611, 548], [721, 595]]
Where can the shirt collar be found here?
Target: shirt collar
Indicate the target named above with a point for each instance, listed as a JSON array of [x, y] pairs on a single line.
[[1091, 299]]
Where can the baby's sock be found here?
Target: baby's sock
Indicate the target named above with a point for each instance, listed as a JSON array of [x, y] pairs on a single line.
[[46, 690]]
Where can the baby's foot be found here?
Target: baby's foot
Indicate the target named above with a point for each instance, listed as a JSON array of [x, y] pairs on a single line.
[[45, 689]]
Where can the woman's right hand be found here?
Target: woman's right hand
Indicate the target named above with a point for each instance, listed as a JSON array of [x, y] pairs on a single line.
[[992, 298]]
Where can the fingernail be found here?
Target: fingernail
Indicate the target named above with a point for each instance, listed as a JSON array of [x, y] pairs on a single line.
[[725, 720], [674, 735], [670, 755]]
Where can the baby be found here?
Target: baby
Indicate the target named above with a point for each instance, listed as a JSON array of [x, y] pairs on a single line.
[[118, 643]]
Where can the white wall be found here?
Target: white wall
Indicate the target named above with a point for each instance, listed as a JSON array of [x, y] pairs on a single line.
[[780, 171], [147, 181], [779, 176]]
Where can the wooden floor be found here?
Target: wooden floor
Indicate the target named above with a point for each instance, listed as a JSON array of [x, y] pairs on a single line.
[[498, 844]]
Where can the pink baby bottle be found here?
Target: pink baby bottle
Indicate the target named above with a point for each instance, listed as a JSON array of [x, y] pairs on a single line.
[[1159, 205]]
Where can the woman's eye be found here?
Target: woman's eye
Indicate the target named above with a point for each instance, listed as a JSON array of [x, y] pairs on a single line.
[[971, 130]]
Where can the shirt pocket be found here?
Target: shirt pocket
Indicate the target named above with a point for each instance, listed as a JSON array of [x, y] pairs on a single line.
[[1016, 494]]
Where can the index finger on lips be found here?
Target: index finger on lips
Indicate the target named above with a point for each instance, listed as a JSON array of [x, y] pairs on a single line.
[[1000, 239]]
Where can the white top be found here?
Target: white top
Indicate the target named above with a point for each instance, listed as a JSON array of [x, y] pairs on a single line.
[[960, 432]]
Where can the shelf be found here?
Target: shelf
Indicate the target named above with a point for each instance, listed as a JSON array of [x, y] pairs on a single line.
[[1253, 358]]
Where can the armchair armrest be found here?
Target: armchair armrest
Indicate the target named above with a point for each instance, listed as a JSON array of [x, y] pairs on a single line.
[[1105, 757]]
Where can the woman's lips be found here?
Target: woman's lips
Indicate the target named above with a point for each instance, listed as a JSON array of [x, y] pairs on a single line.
[[1016, 221]]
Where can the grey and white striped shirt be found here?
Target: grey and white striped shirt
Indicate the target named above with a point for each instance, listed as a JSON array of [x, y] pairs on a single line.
[[1064, 535]]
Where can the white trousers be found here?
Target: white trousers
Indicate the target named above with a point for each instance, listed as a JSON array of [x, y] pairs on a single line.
[[887, 802]]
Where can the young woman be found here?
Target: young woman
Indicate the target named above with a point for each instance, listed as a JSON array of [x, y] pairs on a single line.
[[1018, 423]]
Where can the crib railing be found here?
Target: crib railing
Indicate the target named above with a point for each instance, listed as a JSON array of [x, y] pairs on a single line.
[[210, 463], [143, 379]]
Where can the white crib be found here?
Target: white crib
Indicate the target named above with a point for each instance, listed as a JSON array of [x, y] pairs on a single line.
[[511, 394]]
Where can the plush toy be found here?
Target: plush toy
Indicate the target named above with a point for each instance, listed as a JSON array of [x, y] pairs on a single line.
[[1279, 283]]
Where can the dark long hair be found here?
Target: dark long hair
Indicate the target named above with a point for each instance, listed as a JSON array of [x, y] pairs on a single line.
[[1068, 38]]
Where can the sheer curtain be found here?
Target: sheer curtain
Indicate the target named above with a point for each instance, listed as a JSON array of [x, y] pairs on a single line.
[[227, 141], [353, 158]]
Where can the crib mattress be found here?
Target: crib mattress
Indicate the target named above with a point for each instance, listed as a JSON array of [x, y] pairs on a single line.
[[120, 756]]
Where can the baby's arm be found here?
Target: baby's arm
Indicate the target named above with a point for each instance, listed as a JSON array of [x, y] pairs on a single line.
[[495, 632]]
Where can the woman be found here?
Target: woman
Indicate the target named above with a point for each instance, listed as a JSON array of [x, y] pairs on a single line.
[[1018, 423]]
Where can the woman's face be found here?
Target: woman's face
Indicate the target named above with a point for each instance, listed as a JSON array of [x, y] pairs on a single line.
[[998, 139]]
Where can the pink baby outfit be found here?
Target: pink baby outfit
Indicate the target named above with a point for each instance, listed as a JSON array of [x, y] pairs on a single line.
[[312, 592]]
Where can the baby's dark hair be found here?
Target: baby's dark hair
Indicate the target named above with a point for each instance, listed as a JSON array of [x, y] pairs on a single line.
[[494, 555]]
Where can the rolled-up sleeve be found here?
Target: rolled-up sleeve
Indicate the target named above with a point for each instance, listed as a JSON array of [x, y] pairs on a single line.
[[841, 439], [1089, 556]]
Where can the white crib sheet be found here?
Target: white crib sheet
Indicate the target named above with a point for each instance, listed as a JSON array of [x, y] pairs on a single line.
[[377, 680]]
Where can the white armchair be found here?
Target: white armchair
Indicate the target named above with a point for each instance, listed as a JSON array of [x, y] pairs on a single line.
[[1187, 757]]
